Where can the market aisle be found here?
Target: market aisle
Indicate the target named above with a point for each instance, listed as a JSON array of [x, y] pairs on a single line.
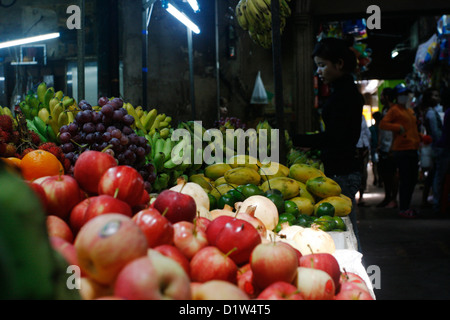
[[413, 255]]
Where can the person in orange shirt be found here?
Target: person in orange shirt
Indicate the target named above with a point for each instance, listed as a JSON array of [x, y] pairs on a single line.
[[400, 119]]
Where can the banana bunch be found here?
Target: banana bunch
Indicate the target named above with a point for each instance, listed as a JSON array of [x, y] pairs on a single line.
[[255, 16], [47, 111], [149, 122]]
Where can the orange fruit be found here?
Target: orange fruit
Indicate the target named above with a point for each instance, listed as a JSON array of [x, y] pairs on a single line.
[[40, 163], [13, 162]]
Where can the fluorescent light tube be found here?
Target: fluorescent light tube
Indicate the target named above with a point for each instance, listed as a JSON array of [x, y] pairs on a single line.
[[194, 5], [182, 18], [19, 42]]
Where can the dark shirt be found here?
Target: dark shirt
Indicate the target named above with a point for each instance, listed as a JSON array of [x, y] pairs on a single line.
[[341, 114], [444, 141]]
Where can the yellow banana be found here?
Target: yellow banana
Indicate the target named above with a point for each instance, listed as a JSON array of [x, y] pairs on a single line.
[[63, 119], [150, 119], [164, 133], [44, 114], [68, 102], [41, 90], [53, 102], [70, 117], [1, 111], [59, 95], [7, 111], [131, 111], [52, 128], [139, 111], [242, 20], [57, 111]]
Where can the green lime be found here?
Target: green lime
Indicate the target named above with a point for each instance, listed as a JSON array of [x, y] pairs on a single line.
[[278, 201], [325, 225], [291, 207], [224, 199], [251, 190], [324, 209], [212, 202], [272, 191], [340, 224], [287, 217], [328, 220], [238, 195], [303, 222]]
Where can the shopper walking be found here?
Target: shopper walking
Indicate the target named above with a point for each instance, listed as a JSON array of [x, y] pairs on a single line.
[[363, 154], [400, 119], [341, 114], [386, 164], [376, 116], [442, 157]]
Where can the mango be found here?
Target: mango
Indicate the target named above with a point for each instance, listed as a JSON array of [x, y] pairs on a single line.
[[303, 192], [341, 206], [288, 187], [222, 189], [242, 175], [205, 182], [323, 187], [243, 160], [303, 172], [216, 170], [305, 205], [268, 172]]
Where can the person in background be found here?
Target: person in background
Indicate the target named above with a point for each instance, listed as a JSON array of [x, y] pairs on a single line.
[[386, 164], [432, 124], [400, 119], [341, 114], [442, 156], [373, 148], [363, 154]]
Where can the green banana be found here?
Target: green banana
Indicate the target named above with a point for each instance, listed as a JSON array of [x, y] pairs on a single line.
[[59, 95], [31, 126], [63, 119], [33, 101], [68, 102], [167, 149], [57, 110], [41, 90], [165, 132], [159, 161], [240, 16], [31, 268], [49, 94], [41, 126]]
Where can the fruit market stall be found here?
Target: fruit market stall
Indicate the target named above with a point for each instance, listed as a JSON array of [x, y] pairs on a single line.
[[107, 189]]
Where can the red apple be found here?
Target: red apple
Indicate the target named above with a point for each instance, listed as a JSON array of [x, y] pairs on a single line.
[[179, 206], [202, 223], [352, 291], [92, 290], [153, 277], [272, 262], [245, 281], [215, 226], [40, 193], [210, 263], [315, 284], [77, 215], [218, 290], [188, 239], [106, 243], [66, 249], [323, 261], [57, 227], [238, 234], [155, 226], [122, 182], [106, 204], [280, 291], [174, 253], [89, 168], [63, 193]]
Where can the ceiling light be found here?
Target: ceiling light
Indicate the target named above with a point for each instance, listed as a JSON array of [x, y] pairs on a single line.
[[194, 5], [182, 18], [19, 42]]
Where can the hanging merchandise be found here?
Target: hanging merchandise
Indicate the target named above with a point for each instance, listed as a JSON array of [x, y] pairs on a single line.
[[255, 16], [259, 95], [443, 26], [356, 28], [427, 53]]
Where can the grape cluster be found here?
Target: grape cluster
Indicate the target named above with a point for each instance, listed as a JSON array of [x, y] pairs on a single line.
[[108, 129]]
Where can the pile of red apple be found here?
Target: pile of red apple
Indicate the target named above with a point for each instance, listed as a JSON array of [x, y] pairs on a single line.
[[101, 220]]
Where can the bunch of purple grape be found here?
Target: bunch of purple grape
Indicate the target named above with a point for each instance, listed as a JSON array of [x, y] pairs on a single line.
[[230, 123], [109, 130]]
